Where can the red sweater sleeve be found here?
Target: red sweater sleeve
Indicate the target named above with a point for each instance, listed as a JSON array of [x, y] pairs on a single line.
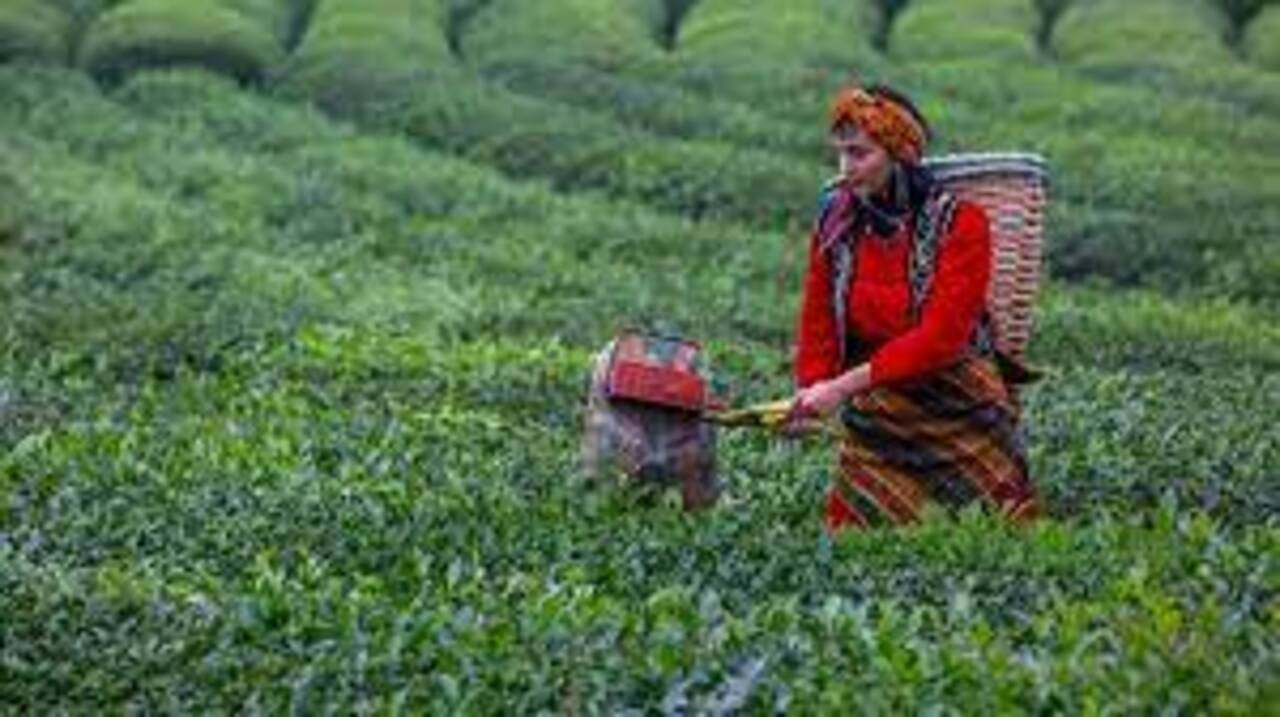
[[817, 353], [953, 308]]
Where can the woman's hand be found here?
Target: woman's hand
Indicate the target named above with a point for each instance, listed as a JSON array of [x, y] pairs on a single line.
[[820, 399], [810, 406], [824, 397]]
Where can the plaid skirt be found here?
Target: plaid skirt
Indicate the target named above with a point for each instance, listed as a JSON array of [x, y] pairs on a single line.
[[947, 441]]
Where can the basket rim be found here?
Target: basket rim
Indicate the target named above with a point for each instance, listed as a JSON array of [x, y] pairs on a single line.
[[971, 164]]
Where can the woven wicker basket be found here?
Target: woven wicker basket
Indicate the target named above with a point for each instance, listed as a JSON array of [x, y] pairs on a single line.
[[1013, 189]]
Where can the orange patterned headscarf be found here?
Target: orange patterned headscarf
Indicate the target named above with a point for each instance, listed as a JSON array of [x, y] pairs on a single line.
[[888, 122]]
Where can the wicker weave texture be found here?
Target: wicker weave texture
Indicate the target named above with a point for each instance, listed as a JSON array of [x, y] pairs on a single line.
[[1013, 190]]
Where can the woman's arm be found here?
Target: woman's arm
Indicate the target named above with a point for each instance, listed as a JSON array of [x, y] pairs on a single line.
[[946, 323], [952, 310], [817, 354], [824, 396]]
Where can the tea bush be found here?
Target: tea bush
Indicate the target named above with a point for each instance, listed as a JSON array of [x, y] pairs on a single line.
[[731, 48], [275, 16], [580, 151], [1262, 47], [1148, 31], [581, 32], [998, 29], [1097, 230], [374, 171], [382, 189], [289, 410], [661, 109], [967, 92], [1166, 44], [774, 69], [157, 33], [598, 70], [447, 108], [1110, 152], [352, 55], [32, 30], [811, 32], [380, 200], [1104, 169], [1210, 245]]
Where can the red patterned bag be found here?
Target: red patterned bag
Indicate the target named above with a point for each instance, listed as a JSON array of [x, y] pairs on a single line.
[[657, 370], [644, 416]]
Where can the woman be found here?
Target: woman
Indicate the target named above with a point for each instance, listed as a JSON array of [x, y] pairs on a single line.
[[893, 332]]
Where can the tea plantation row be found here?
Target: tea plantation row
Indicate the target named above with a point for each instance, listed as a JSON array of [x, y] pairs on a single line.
[[719, 114], [289, 417]]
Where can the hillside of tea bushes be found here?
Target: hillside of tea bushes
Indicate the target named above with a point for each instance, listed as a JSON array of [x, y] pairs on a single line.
[[299, 298]]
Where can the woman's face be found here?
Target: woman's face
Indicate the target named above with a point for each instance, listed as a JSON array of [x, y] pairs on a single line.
[[864, 164]]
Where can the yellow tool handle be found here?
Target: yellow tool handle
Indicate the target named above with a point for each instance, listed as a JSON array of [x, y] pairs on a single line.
[[773, 415]]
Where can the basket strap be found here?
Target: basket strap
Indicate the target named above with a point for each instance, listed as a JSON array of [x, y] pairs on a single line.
[[932, 226], [842, 278], [931, 233]]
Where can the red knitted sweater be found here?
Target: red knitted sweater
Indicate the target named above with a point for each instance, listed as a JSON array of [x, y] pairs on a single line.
[[879, 308]]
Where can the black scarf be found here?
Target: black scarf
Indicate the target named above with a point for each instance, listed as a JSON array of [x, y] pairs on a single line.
[[885, 213]]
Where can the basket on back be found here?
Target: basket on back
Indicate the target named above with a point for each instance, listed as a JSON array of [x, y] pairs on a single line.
[[1013, 189]]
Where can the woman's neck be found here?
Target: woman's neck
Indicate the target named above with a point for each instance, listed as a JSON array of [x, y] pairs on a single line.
[[880, 213], [883, 197]]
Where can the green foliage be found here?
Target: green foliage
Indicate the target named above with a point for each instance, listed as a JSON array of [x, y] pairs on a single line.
[[665, 17], [272, 15], [585, 32], [289, 406], [446, 108], [1097, 230], [1123, 172], [660, 108], [588, 67], [930, 30], [79, 15], [158, 33], [32, 30], [1239, 14], [1168, 44], [1121, 169], [577, 150], [810, 33], [391, 608], [1262, 41], [1049, 11], [356, 54], [886, 13], [1099, 32]]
